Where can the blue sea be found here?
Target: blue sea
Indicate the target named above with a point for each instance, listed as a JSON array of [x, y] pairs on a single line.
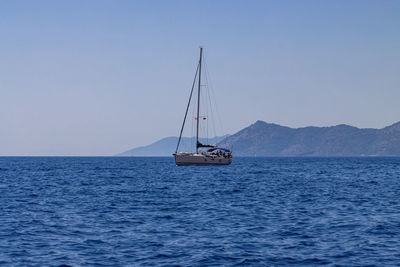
[[110, 211]]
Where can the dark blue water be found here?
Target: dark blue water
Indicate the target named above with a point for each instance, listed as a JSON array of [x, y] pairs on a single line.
[[146, 211]]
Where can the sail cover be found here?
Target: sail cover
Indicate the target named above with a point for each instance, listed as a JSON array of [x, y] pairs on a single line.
[[201, 145]]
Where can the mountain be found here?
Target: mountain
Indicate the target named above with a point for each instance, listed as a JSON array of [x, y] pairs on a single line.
[[268, 139], [167, 146]]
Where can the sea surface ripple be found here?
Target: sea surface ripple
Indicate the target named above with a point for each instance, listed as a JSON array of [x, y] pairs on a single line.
[[109, 211]]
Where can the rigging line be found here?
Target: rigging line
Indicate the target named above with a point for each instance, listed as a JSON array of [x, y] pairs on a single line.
[[193, 129], [210, 102], [204, 116], [216, 107], [187, 108], [211, 95], [205, 96], [193, 133]]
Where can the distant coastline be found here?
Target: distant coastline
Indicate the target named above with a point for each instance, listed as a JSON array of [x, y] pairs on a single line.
[[167, 146], [263, 139]]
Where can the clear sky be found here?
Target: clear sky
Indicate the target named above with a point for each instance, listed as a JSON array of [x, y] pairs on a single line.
[[101, 77]]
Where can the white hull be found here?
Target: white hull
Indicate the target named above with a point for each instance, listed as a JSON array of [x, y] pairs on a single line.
[[183, 159]]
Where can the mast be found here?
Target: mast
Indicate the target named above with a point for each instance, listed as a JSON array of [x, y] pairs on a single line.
[[198, 103]]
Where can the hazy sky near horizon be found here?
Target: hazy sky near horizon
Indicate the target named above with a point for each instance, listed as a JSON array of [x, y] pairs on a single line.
[[101, 77]]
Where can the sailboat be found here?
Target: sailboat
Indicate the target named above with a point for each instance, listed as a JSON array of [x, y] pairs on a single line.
[[206, 154]]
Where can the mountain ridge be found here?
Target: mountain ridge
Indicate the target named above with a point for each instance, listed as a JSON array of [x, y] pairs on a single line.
[[269, 139]]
